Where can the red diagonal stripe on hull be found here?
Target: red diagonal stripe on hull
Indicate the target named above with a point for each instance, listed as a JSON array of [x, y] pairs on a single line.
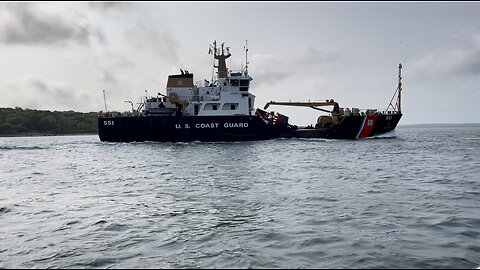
[[368, 126]]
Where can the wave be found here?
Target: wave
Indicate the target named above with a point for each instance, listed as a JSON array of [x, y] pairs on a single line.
[[388, 135], [22, 147], [5, 209]]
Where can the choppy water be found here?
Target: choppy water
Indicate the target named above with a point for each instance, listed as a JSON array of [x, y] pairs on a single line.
[[406, 202]]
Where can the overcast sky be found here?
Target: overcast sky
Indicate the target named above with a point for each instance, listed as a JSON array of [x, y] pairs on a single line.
[[61, 55]]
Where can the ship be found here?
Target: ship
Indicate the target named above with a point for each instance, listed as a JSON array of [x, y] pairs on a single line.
[[223, 110]]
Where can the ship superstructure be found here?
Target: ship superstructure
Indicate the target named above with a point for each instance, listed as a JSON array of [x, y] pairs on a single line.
[[228, 95]]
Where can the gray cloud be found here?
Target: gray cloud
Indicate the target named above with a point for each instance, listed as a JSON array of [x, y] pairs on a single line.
[[161, 43], [29, 25], [104, 5], [304, 65], [268, 70], [108, 77], [315, 56], [463, 59], [60, 92], [44, 94], [114, 61], [107, 6]]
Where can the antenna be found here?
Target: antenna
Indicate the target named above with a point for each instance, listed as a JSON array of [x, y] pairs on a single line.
[[105, 100], [246, 56], [213, 50]]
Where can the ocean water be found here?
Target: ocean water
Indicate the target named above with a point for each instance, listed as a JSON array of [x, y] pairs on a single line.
[[408, 200]]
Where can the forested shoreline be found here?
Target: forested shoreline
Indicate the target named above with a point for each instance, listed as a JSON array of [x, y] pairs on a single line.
[[24, 122]]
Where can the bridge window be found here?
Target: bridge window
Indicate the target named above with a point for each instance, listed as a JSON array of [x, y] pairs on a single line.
[[244, 82], [244, 85], [234, 82]]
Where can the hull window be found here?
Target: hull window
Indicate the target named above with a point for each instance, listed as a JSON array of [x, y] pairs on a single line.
[[211, 106], [230, 106]]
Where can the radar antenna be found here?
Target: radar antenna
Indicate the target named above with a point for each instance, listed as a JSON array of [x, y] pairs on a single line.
[[246, 58]]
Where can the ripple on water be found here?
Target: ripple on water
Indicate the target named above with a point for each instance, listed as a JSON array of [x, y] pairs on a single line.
[[404, 202]]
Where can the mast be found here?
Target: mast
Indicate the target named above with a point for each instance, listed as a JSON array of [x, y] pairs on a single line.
[[399, 98], [397, 107], [220, 55]]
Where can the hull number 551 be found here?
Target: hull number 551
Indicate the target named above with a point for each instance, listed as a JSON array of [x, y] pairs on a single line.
[[108, 123]]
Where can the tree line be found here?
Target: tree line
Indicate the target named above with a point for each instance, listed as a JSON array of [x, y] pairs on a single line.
[[24, 121]]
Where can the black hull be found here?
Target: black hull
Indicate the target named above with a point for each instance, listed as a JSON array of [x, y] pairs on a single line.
[[352, 127], [233, 128]]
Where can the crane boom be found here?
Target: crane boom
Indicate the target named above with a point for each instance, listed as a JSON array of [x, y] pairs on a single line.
[[313, 105]]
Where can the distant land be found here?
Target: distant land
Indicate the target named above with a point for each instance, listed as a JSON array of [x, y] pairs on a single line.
[[27, 122], [441, 125]]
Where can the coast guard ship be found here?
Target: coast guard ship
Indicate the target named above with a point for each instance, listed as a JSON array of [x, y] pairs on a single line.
[[223, 110]]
